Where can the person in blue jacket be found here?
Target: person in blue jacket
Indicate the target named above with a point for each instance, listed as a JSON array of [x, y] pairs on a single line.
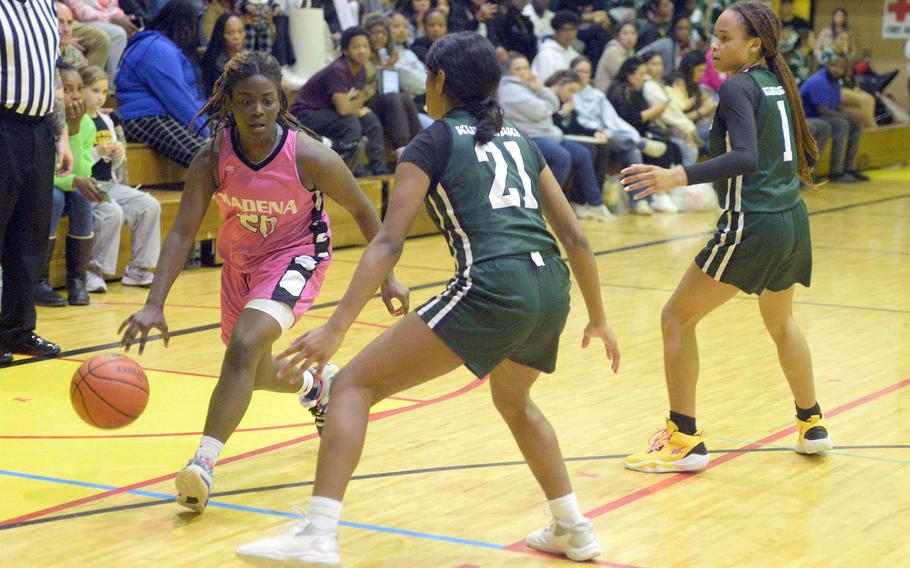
[[158, 86]]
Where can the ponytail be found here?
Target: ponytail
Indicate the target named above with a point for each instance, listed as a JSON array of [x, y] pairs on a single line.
[[489, 117]]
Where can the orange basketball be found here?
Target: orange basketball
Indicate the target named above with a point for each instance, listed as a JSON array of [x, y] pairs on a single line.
[[109, 390]]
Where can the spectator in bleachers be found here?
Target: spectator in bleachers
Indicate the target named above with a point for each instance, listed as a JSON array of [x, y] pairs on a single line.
[[802, 59], [106, 16], [620, 48], [703, 103], [141, 211], [907, 55], [142, 11], [74, 195], [157, 86], [656, 22], [593, 28], [680, 130], [627, 96], [557, 53], [538, 11], [259, 31], [511, 30], [713, 10], [226, 42], [672, 47], [566, 84], [414, 11], [789, 20], [94, 46], [828, 34], [852, 95], [596, 113], [333, 103], [435, 26], [413, 73], [471, 15], [214, 10], [828, 118], [530, 106]]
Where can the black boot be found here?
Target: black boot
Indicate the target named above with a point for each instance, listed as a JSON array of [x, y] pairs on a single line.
[[45, 295], [78, 253]]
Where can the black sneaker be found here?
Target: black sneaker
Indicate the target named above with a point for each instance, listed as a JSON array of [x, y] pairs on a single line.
[[858, 175], [844, 178]]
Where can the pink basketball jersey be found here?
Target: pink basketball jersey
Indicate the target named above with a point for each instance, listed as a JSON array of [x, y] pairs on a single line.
[[266, 210]]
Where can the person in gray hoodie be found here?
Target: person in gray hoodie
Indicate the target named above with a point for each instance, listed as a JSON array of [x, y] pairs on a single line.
[[530, 107]]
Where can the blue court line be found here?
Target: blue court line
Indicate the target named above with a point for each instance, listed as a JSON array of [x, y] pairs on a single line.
[[271, 512], [833, 452], [82, 484]]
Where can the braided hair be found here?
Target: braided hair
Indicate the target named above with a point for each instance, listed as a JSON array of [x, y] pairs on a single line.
[[242, 66], [760, 22], [472, 72]]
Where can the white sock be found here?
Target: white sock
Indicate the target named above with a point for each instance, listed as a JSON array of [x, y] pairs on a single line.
[[566, 509], [210, 449], [324, 513]]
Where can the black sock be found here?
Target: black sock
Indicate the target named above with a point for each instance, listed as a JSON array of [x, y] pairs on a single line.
[[805, 414], [686, 424]]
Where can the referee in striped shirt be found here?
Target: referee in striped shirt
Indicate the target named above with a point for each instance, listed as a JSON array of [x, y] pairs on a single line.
[[32, 127]]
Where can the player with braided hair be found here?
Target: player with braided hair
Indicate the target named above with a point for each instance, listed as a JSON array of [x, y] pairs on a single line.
[[761, 147], [268, 179]]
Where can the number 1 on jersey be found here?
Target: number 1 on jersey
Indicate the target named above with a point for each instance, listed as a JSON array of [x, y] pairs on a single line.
[[785, 126], [500, 196]]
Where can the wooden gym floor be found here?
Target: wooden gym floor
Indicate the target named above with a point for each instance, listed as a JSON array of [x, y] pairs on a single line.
[[441, 483]]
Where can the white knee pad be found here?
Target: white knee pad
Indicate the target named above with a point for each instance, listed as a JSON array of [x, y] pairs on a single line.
[[281, 312]]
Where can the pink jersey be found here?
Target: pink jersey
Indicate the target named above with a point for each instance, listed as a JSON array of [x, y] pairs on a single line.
[[275, 240]]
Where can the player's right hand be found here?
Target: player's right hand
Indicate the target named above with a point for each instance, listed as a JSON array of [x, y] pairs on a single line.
[[139, 324], [605, 334]]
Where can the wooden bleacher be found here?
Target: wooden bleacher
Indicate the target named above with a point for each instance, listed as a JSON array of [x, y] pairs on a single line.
[[879, 147]]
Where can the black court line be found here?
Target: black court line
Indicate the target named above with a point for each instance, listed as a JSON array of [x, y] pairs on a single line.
[[439, 469], [646, 244]]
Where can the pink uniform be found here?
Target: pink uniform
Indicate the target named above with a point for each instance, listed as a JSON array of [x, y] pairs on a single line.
[[275, 239]]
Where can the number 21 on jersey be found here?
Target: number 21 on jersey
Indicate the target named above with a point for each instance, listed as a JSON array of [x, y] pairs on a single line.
[[500, 195]]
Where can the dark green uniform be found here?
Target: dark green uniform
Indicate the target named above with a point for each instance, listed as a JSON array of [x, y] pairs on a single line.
[[509, 298], [762, 239]]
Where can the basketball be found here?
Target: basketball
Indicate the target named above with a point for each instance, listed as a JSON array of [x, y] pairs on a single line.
[[109, 391]]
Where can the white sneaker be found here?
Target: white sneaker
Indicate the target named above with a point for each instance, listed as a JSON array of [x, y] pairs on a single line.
[[94, 283], [577, 542], [299, 545], [663, 203], [653, 148], [319, 406], [290, 80], [194, 484], [133, 276], [600, 212], [581, 211], [642, 207]]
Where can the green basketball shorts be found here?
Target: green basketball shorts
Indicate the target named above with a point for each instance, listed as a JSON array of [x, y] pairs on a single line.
[[505, 308], [760, 251]]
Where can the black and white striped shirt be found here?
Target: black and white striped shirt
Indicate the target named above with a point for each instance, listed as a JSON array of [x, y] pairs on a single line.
[[29, 45]]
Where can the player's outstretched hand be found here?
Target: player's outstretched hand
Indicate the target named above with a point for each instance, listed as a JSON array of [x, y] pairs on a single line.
[[140, 323], [391, 290], [314, 347], [652, 179], [605, 334]]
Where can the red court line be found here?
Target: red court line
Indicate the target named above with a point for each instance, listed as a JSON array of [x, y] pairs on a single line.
[[373, 417], [679, 477]]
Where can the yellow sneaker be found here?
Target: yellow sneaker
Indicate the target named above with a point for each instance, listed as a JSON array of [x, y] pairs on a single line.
[[671, 451], [812, 436]]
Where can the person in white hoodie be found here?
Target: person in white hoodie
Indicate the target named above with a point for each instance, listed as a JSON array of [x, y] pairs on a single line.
[[141, 211], [530, 106], [556, 54]]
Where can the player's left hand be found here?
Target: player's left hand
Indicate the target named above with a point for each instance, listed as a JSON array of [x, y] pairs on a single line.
[[605, 334], [314, 347], [391, 290], [652, 179]]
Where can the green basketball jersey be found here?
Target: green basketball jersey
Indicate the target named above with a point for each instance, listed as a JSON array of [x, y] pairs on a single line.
[[774, 184], [484, 199]]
